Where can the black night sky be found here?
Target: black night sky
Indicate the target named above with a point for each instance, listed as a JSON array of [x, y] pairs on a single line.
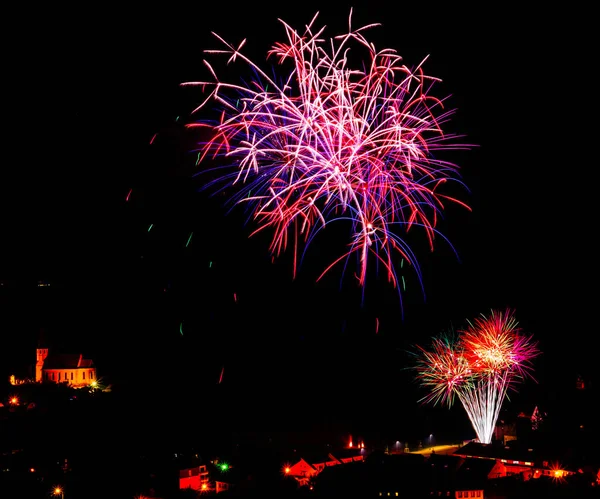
[[90, 89]]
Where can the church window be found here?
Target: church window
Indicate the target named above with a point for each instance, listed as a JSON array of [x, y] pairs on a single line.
[[71, 375], [59, 376], [91, 374], [83, 374], [52, 376]]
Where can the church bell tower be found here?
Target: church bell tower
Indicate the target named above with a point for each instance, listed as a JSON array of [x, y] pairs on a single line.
[[41, 354]]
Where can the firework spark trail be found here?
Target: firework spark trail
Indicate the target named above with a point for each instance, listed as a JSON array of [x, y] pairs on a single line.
[[329, 143], [483, 403], [479, 368]]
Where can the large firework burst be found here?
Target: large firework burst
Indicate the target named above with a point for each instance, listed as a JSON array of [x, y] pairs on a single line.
[[328, 142]]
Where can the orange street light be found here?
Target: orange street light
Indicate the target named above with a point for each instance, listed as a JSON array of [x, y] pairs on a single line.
[[58, 491]]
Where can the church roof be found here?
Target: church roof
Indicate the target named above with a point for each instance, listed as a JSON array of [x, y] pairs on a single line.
[[67, 361]]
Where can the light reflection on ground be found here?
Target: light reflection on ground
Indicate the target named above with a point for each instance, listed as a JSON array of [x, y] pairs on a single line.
[[439, 449]]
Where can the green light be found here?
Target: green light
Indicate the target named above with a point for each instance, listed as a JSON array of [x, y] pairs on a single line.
[[224, 466]]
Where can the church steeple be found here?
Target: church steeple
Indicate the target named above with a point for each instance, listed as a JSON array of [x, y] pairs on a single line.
[[41, 354]]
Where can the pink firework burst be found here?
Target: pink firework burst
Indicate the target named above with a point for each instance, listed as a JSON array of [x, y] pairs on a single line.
[[327, 142]]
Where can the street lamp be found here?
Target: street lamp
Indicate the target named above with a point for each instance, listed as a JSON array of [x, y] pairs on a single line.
[[58, 491]]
